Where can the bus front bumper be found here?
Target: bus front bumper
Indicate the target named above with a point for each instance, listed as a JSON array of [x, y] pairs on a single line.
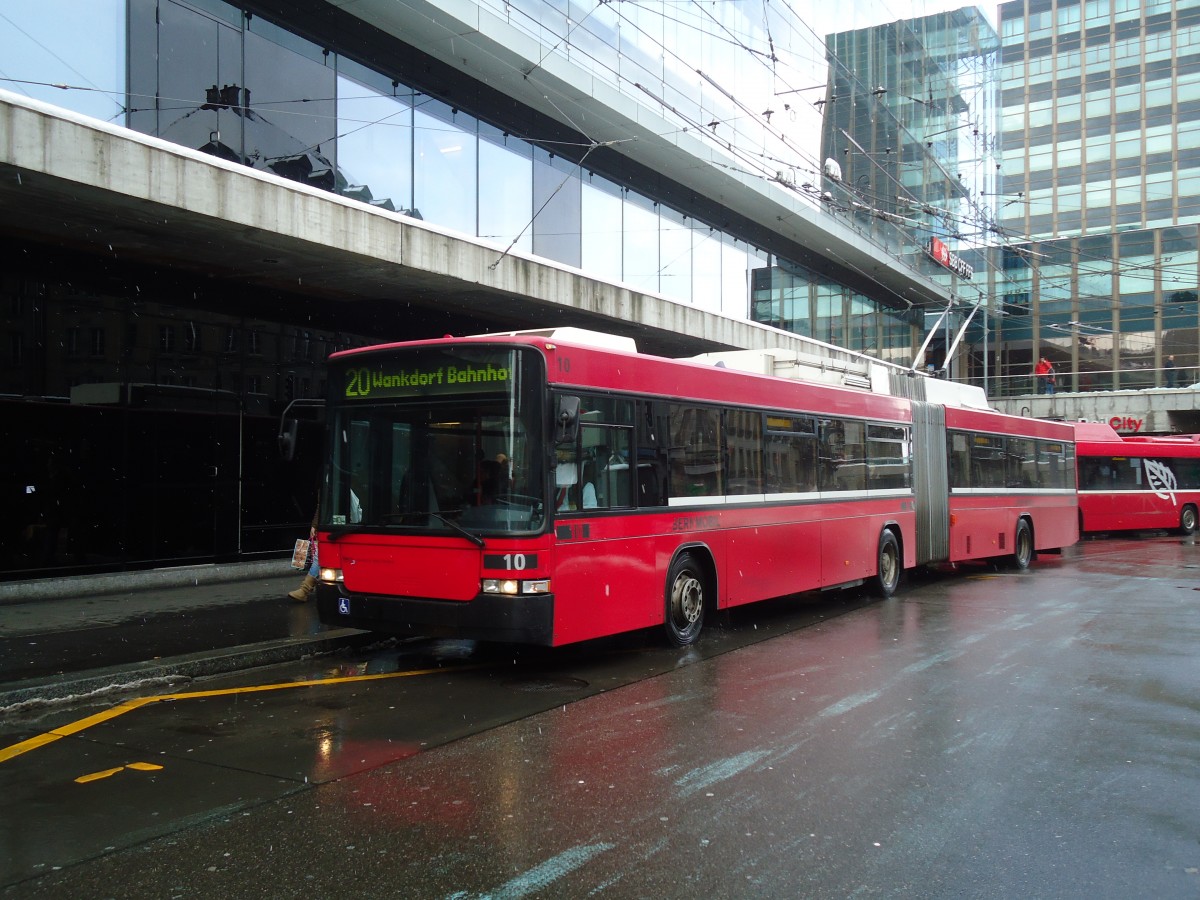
[[525, 619]]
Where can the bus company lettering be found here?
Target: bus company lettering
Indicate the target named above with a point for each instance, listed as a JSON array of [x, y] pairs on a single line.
[[695, 523], [1119, 423]]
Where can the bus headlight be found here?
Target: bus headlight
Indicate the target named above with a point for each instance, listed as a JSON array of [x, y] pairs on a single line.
[[499, 586], [513, 586], [331, 576]]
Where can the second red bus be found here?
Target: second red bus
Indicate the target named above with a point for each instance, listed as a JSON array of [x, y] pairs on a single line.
[[1137, 483]]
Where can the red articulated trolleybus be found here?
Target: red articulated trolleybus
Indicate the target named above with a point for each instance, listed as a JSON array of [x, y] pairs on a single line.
[[554, 487], [1133, 483]]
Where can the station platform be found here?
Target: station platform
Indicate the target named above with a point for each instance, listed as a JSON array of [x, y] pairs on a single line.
[[72, 637]]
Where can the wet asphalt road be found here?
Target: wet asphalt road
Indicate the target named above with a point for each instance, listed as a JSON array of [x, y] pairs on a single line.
[[1003, 734]]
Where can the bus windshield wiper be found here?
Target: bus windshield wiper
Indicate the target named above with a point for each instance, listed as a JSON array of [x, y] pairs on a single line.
[[469, 535]]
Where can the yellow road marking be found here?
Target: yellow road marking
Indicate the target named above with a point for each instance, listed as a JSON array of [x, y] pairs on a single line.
[[119, 710], [79, 725], [96, 776], [106, 773], [32, 744]]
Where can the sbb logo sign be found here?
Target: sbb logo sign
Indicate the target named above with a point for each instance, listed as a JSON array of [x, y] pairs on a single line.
[[952, 261]]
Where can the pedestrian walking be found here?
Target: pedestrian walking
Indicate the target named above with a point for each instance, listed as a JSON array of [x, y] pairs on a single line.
[[1171, 373], [306, 587]]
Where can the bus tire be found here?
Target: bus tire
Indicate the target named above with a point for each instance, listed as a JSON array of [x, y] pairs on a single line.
[[887, 572], [685, 600], [1022, 545], [1187, 520]]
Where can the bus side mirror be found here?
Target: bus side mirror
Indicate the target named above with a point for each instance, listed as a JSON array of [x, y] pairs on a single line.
[[289, 427], [287, 439], [566, 426]]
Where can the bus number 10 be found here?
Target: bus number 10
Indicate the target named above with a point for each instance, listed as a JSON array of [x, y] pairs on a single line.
[[514, 561]]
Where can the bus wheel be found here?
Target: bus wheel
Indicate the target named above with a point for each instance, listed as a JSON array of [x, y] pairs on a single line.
[[1022, 545], [887, 574], [1187, 520], [685, 601]]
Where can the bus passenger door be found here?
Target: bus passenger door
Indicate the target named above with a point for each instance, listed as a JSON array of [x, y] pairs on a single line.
[[605, 568]]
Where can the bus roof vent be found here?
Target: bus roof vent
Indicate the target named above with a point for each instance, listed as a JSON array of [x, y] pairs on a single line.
[[954, 393], [587, 338], [847, 371]]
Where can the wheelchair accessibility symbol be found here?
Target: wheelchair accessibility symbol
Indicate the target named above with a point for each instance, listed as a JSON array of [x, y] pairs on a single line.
[[344, 605]]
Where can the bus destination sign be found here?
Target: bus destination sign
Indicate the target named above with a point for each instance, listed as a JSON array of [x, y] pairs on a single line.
[[386, 380]]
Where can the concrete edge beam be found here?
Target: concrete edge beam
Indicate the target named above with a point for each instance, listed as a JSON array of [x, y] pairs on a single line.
[[121, 582]]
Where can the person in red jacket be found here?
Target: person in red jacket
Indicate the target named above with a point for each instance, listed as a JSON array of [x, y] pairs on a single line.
[[1045, 376]]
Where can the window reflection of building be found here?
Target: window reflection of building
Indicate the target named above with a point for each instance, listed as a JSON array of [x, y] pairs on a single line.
[[158, 435], [140, 342]]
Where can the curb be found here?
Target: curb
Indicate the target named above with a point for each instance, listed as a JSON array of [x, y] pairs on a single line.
[[119, 582], [194, 665]]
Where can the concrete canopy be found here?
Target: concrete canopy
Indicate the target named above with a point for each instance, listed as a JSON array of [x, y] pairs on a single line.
[[90, 187]]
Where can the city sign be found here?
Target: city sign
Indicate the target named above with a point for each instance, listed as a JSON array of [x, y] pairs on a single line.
[[1125, 423]]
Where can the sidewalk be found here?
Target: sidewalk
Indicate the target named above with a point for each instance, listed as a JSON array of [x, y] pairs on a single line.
[[69, 637]]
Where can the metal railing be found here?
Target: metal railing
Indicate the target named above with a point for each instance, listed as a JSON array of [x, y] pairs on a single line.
[[1086, 381]]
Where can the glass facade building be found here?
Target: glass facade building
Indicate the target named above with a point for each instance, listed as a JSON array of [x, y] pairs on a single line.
[[910, 119], [1101, 141]]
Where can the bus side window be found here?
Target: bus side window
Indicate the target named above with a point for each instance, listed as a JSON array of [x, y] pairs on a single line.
[[650, 458], [744, 436], [614, 482], [960, 461], [1188, 473], [956, 470], [649, 490], [594, 440], [696, 466], [566, 479], [615, 476], [988, 464]]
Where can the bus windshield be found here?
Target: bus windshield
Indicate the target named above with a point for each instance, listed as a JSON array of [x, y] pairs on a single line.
[[437, 439]]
